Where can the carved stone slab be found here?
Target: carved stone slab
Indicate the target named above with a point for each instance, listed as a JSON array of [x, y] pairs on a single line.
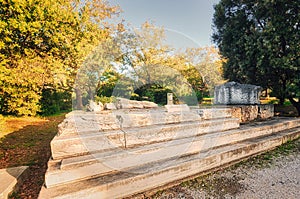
[[235, 93]]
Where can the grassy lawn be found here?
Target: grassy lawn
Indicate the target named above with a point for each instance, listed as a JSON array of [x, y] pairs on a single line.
[[26, 141]]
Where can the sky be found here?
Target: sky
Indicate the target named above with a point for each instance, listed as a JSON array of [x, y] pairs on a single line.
[[188, 23]]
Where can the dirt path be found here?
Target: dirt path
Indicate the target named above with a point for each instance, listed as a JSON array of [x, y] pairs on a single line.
[[273, 175]]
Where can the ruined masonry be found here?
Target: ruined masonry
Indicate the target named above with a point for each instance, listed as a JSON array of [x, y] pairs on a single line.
[[126, 151], [236, 93], [243, 100]]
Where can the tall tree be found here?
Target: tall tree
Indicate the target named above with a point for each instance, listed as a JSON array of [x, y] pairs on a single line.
[[260, 40], [153, 63], [42, 45], [208, 63]]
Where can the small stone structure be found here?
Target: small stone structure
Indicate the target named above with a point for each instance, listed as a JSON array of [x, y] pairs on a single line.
[[243, 99], [170, 99], [11, 179], [235, 93], [110, 106]]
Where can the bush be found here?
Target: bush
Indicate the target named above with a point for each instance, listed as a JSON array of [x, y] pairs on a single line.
[[2, 122], [104, 99], [153, 93], [53, 101], [20, 100]]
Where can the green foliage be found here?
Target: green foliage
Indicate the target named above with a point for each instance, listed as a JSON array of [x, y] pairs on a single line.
[[2, 122], [43, 43], [260, 41], [108, 82], [153, 93], [149, 61], [104, 99], [55, 101], [273, 101]]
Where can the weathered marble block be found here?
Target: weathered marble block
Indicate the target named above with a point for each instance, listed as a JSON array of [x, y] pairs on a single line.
[[248, 113], [235, 93], [245, 113], [123, 103], [177, 108], [265, 111]]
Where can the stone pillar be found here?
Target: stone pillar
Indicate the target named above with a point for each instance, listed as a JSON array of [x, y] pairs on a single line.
[[170, 99]]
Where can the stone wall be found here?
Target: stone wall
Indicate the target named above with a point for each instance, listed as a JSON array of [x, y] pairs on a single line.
[[247, 113]]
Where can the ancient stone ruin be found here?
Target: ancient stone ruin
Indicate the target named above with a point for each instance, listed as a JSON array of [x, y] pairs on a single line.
[[140, 147], [243, 100], [232, 93]]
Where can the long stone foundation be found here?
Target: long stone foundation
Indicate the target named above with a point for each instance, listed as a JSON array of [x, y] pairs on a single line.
[[119, 153]]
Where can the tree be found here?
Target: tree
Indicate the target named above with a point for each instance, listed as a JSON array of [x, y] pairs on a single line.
[[42, 45], [208, 64], [260, 41], [154, 66]]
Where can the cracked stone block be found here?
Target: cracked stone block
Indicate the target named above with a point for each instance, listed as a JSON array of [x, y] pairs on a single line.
[[265, 111]]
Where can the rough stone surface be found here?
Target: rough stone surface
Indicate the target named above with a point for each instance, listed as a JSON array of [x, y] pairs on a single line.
[[117, 153], [122, 103], [247, 113], [265, 111], [110, 106], [236, 112], [156, 174], [9, 178], [177, 108], [235, 93], [94, 106]]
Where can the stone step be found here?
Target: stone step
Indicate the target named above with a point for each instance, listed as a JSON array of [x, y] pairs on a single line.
[[88, 122], [79, 144], [215, 139], [84, 167], [213, 112], [158, 174], [9, 178]]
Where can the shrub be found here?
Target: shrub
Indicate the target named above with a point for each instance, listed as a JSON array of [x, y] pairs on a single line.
[[153, 93], [54, 101], [104, 99]]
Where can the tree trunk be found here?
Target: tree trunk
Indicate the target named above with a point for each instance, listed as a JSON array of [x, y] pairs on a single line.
[[79, 105], [295, 104], [281, 100], [91, 94]]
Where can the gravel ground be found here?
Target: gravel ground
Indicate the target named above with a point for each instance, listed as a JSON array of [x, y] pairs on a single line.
[[272, 175]]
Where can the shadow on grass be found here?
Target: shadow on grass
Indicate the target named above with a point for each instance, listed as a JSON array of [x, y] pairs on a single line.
[[30, 146]]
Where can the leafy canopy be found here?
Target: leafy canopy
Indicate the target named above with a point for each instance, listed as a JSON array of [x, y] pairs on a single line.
[[260, 41], [42, 45]]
